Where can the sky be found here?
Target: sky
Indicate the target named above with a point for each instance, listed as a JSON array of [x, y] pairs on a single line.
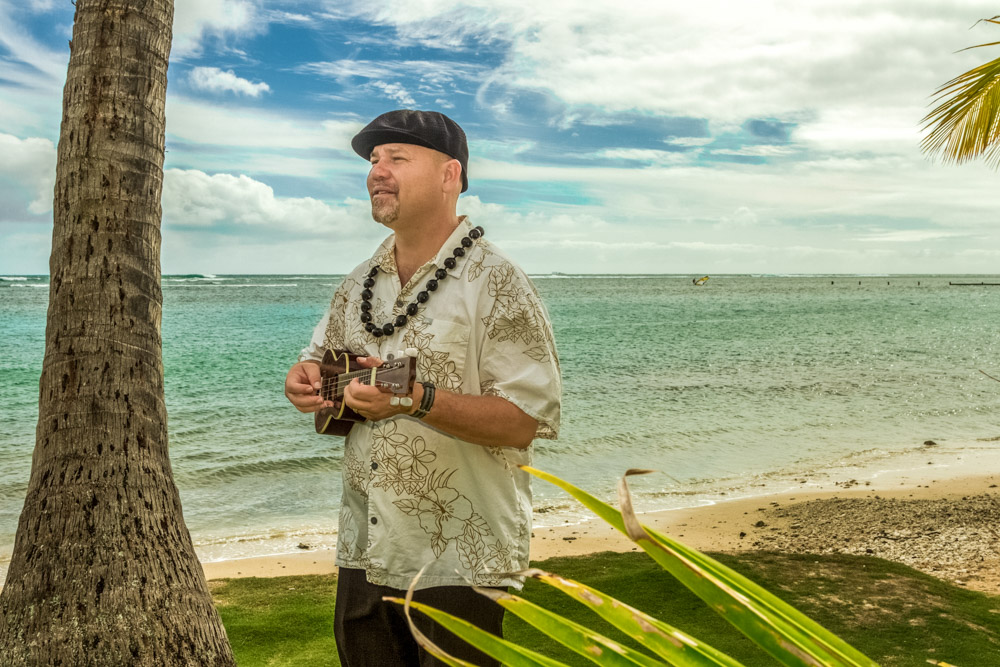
[[767, 137]]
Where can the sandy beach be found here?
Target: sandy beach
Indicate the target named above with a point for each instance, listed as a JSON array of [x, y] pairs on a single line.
[[943, 520]]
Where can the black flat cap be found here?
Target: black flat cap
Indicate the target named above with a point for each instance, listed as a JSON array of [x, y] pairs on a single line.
[[429, 129]]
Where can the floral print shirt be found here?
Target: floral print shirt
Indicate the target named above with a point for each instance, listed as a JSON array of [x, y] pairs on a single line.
[[414, 495]]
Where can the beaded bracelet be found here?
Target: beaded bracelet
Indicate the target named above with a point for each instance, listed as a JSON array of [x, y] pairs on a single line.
[[426, 402]]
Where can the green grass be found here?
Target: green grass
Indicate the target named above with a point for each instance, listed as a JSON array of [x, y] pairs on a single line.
[[280, 621], [894, 614]]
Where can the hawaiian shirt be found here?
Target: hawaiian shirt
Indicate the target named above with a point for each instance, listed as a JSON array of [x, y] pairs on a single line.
[[413, 495]]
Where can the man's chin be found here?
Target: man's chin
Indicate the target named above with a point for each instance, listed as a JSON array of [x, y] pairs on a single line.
[[385, 216]]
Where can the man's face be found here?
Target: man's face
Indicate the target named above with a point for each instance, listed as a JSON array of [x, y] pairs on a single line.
[[404, 179]]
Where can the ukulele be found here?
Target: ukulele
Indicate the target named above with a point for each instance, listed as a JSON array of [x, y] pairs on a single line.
[[398, 372]]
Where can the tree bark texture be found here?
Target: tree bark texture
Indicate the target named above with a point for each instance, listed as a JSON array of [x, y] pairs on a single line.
[[104, 570]]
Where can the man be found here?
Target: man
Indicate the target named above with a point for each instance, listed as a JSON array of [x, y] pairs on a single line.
[[435, 482]]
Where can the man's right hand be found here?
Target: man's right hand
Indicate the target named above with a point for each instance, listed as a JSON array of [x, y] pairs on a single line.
[[302, 385]]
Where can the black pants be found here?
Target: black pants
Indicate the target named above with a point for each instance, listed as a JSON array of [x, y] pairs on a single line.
[[373, 633]]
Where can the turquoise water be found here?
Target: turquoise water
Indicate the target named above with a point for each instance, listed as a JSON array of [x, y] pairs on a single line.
[[726, 386]]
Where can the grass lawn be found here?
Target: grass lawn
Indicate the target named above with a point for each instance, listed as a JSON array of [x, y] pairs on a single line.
[[892, 613]]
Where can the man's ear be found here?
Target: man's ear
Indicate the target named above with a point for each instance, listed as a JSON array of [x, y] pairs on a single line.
[[453, 175]]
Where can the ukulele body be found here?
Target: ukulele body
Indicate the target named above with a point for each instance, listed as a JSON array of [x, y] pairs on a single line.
[[339, 419]]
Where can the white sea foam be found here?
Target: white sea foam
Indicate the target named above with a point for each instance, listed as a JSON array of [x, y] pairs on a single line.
[[219, 547], [195, 277], [266, 285], [601, 276]]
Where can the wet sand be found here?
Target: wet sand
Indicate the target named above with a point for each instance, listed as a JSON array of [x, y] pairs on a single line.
[[949, 528]]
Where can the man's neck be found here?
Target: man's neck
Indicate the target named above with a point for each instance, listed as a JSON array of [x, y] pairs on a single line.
[[415, 246]]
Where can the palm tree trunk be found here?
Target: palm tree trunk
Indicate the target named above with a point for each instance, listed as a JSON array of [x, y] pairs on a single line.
[[103, 570]]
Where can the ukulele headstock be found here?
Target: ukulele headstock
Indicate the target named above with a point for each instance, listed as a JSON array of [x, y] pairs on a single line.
[[398, 372]]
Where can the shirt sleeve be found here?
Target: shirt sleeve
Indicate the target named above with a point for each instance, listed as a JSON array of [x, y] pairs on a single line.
[[518, 359], [314, 351], [330, 332]]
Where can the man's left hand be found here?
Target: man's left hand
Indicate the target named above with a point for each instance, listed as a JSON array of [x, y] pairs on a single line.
[[373, 402]]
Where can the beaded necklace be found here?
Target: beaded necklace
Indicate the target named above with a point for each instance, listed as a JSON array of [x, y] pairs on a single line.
[[389, 328]]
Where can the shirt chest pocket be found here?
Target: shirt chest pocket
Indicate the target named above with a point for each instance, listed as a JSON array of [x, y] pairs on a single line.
[[442, 348]]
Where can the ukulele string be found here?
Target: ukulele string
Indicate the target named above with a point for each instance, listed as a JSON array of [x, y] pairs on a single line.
[[344, 377], [340, 381], [340, 388]]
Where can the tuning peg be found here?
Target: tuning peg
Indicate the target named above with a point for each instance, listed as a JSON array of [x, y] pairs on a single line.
[[411, 352], [406, 402], [394, 401]]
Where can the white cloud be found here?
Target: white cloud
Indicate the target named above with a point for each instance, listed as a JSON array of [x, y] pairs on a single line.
[[647, 155], [762, 150], [196, 122], [396, 92], [859, 129], [31, 113], [850, 80], [29, 60], [277, 16], [31, 164], [225, 223], [688, 141], [215, 80], [488, 149], [345, 69], [578, 239], [192, 198], [195, 19], [908, 236], [41, 5], [741, 217], [433, 78], [822, 204], [841, 68], [34, 66]]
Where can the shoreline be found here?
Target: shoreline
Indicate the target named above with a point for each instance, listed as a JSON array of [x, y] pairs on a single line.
[[943, 525], [933, 507], [874, 469]]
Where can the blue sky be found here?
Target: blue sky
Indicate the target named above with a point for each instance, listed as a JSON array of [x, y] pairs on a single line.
[[647, 137]]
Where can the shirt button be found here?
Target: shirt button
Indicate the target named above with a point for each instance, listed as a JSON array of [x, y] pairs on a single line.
[[374, 521], [399, 303], [374, 465]]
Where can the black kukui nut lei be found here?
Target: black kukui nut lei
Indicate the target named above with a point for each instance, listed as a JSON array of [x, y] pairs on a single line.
[[423, 296]]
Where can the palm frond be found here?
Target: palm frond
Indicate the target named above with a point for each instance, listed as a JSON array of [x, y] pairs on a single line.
[[979, 46], [966, 123]]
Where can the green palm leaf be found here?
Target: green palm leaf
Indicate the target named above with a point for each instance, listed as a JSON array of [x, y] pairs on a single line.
[[965, 125], [501, 649], [674, 646], [590, 644], [777, 627]]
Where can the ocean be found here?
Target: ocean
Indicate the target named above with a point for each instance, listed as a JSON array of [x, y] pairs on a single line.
[[747, 385]]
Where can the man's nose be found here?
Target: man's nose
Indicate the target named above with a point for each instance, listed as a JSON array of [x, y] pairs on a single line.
[[378, 172]]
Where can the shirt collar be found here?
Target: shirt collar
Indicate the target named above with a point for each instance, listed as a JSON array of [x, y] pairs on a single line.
[[448, 247], [385, 256]]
